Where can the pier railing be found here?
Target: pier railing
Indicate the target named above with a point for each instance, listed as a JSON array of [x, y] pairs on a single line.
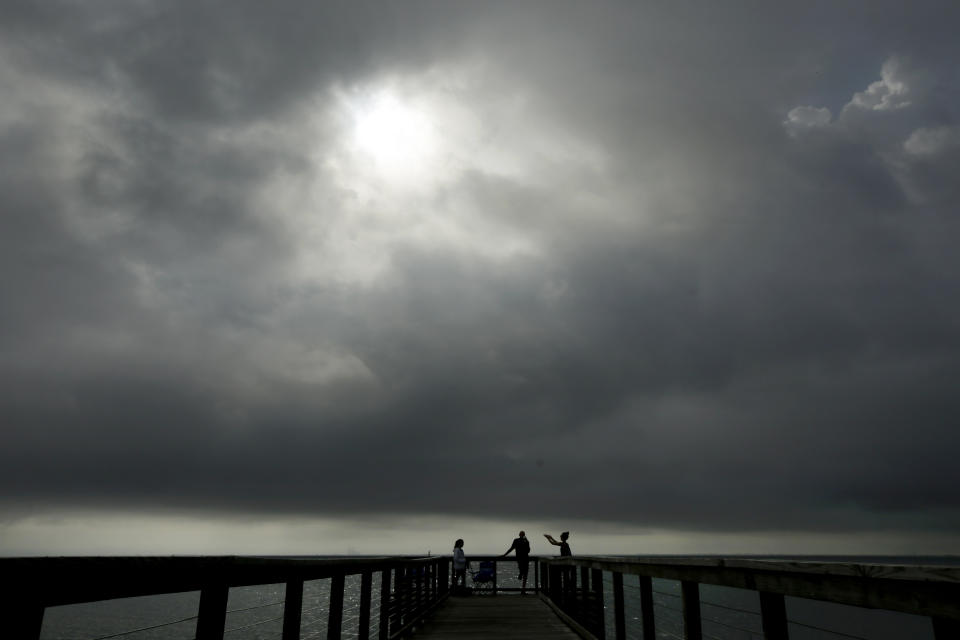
[[574, 586], [588, 592], [410, 589]]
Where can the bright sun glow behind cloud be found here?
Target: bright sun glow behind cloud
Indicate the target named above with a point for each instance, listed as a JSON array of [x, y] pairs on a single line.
[[407, 136], [398, 137], [418, 162]]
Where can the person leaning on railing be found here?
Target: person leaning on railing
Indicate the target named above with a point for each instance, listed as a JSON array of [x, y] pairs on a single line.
[[522, 546]]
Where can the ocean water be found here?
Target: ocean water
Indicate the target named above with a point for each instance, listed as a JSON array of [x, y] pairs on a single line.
[[255, 613], [734, 614]]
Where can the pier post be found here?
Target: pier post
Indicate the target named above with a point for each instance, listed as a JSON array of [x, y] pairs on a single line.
[[292, 609], [212, 616], [582, 603], [420, 587], [691, 610], [335, 615], [384, 629], [945, 629], [396, 599], [619, 619], [22, 618], [596, 611], [427, 584], [556, 588], [399, 598], [417, 589], [773, 614], [431, 569], [363, 621], [646, 607]]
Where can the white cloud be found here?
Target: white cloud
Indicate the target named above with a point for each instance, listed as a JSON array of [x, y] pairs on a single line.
[[931, 141], [548, 221], [805, 118], [899, 86], [395, 162]]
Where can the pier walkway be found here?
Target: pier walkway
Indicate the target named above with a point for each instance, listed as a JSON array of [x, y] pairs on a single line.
[[521, 617]]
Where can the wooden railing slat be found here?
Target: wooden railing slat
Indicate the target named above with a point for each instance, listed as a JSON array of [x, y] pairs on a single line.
[[944, 629], [692, 626], [335, 613], [22, 618], [292, 609], [212, 615], [619, 620], [596, 609], [363, 617], [646, 607], [384, 631], [773, 615]]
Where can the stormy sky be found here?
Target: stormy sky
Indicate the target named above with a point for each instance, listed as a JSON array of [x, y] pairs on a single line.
[[351, 277]]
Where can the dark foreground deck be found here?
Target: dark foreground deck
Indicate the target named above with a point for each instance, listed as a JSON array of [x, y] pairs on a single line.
[[520, 617]]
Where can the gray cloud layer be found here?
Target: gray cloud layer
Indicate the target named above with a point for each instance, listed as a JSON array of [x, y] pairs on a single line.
[[719, 292]]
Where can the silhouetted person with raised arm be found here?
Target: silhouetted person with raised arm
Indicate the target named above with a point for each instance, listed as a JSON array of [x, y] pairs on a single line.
[[522, 546], [564, 547], [568, 577], [459, 565]]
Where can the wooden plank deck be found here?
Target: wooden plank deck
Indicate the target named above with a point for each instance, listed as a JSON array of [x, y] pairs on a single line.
[[503, 616]]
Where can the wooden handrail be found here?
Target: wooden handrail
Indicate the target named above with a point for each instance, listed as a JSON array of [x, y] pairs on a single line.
[[932, 591], [29, 585], [411, 587], [57, 581]]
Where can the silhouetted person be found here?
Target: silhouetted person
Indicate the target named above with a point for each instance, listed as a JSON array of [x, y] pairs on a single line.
[[564, 547], [522, 546], [459, 565], [567, 574]]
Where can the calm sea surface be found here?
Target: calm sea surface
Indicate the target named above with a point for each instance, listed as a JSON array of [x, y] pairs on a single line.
[[255, 613]]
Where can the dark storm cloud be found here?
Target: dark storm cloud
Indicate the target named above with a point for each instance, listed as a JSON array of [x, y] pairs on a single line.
[[742, 316]]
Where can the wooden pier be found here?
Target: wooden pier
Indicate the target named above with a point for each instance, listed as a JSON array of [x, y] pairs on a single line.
[[521, 617], [567, 597]]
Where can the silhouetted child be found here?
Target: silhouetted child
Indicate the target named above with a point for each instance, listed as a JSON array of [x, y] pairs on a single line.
[[459, 565]]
